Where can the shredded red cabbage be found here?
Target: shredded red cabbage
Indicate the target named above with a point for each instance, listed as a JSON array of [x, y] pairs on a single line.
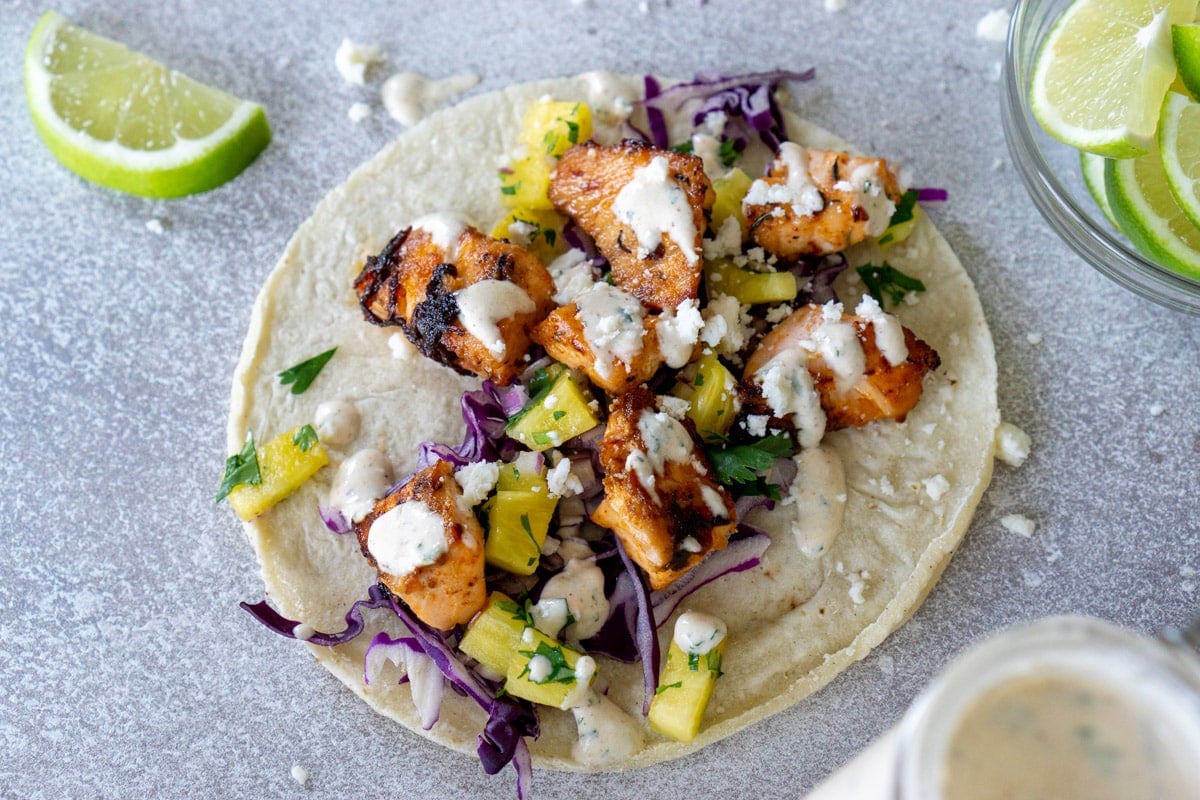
[[420, 671], [932, 195], [485, 412], [739, 555], [645, 631], [747, 100], [334, 519], [262, 611], [816, 277]]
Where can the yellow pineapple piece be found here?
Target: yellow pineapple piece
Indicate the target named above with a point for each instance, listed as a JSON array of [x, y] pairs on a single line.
[[284, 463]]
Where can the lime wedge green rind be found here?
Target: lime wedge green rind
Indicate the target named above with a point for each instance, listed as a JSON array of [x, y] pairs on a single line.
[[1179, 144], [1102, 71], [1185, 42], [1092, 167], [119, 119], [1148, 215]]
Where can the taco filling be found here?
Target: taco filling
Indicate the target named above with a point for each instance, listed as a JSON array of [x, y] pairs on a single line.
[[728, 404]]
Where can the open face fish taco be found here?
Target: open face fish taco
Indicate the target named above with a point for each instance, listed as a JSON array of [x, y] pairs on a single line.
[[696, 407]]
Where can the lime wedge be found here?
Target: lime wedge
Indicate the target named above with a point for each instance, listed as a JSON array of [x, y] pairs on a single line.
[[1179, 144], [121, 120], [1092, 167], [1102, 71], [1147, 213], [1185, 42]]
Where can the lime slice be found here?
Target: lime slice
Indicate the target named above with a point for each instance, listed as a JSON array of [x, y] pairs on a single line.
[[1179, 144], [1147, 213], [1185, 41], [1102, 71], [121, 120], [1092, 167]]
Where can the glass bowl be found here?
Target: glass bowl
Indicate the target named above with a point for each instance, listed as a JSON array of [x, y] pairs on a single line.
[[1051, 173]]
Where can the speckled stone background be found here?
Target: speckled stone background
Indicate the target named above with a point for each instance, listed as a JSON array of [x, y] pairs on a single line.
[[126, 667]]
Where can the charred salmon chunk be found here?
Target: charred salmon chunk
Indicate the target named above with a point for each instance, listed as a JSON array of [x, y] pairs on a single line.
[[463, 298], [660, 496], [427, 546], [646, 209], [836, 370], [818, 202]]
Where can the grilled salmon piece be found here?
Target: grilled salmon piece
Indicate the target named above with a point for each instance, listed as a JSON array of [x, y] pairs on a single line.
[[586, 184], [414, 283], [450, 590], [884, 390], [561, 333], [660, 496], [839, 201]]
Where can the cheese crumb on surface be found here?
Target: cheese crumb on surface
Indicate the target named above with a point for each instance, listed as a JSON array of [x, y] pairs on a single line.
[[358, 112], [299, 774], [561, 481], [401, 347], [1157, 409], [1012, 444], [156, 226], [993, 26], [1019, 524], [353, 60], [477, 480], [677, 407], [1033, 338], [936, 487], [833, 6]]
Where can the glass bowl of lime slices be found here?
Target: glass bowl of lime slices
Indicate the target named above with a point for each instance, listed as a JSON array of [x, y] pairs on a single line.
[[1117, 213]]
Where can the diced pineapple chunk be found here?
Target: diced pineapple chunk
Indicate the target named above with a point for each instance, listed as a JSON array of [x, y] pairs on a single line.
[[540, 232], [730, 189], [722, 276], [522, 474], [494, 635], [554, 415], [284, 463], [553, 127], [517, 526], [683, 692], [544, 671], [712, 394], [525, 183]]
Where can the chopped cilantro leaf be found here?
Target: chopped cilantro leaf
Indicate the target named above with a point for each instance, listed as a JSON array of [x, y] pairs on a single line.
[[518, 611], [698, 381], [662, 687], [683, 147], [241, 469], [728, 153], [559, 671], [303, 374], [305, 438], [541, 437], [509, 190], [559, 414], [742, 463], [572, 131], [906, 208], [889, 281]]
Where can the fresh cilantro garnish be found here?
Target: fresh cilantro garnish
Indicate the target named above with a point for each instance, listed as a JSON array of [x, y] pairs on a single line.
[[712, 662], [305, 438], [241, 469], [525, 526], [518, 611], [509, 190], [559, 671], [742, 463], [541, 437], [572, 131], [729, 153], [559, 414], [662, 687], [889, 281], [683, 147], [698, 381], [303, 374], [904, 212], [549, 234]]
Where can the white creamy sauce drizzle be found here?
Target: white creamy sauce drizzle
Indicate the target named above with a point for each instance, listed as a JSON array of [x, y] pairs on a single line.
[[665, 440], [409, 97], [445, 228], [678, 331], [609, 95], [409, 536], [818, 495], [653, 204], [550, 615], [607, 735], [889, 333], [797, 190], [484, 304], [788, 388], [716, 504], [585, 672], [708, 148], [581, 584], [836, 341], [612, 325], [337, 422], [572, 276], [697, 633], [361, 479], [868, 193]]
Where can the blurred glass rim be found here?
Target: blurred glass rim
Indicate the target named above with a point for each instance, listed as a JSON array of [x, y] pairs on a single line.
[[1088, 236], [1164, 669]]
